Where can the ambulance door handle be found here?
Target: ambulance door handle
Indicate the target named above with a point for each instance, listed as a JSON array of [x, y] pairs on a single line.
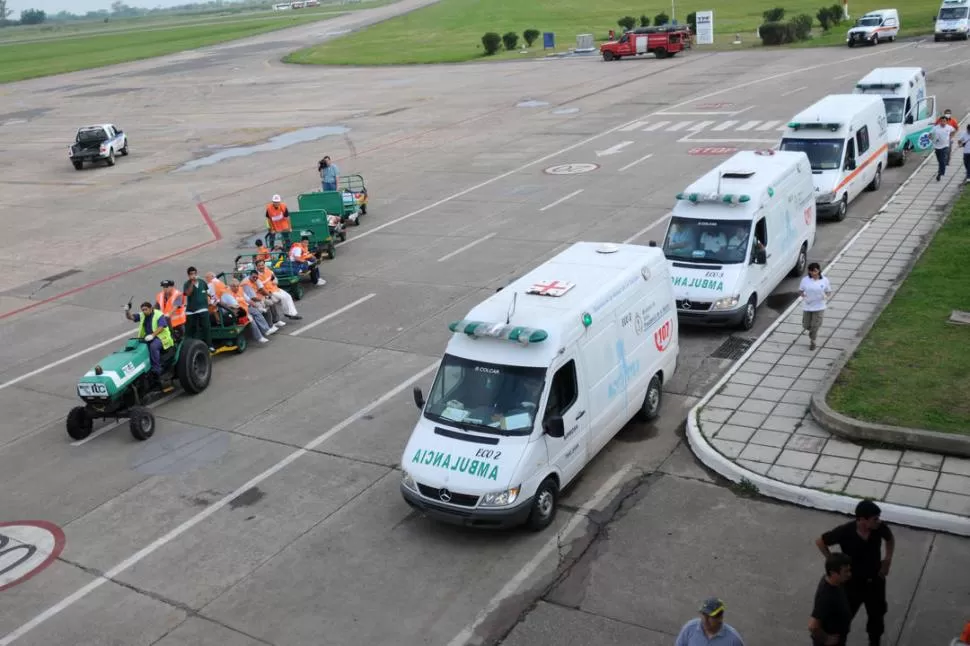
[[580, 414]]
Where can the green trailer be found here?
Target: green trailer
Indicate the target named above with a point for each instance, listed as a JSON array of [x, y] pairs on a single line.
[[315, 225], [342, 203]]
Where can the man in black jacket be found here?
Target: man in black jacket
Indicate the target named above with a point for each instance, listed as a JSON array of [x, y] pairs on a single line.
[[861, 540]]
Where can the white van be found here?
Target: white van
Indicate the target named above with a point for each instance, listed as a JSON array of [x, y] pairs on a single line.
[[910, 114], [874, 27], [735, 234], [536, 380], [846, 138], [953, 21]]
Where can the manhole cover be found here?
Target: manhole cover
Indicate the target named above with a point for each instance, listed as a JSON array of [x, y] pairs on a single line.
[[570, 169], [732, 348]]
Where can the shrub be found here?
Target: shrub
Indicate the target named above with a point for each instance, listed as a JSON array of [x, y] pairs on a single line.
[[661, 19], [836, 15], [491, 42], [824, 18], [627, 22], [776, 33], [644, 20], [774, 15], [530, 36], [802, 24], [510, 40], [692, 21]]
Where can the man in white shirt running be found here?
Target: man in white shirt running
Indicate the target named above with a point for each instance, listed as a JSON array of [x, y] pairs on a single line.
[[941, 134]]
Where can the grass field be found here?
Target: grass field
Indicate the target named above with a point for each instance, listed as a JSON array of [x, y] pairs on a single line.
[[451, 30], [913, 369], [30, 52]]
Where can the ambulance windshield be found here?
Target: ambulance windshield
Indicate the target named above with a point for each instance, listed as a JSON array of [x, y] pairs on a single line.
[[823, 154], [953, 13], [871, 21], [707, 241], [485, 397]]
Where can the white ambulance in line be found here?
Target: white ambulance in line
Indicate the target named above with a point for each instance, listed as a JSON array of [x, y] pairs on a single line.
[[737, 232], [874, 27], [536, 380], [909, 112], [953, 20], [846, 138]]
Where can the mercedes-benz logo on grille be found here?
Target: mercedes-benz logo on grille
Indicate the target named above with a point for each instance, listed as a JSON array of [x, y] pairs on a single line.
[[685, 305], [444, 495]]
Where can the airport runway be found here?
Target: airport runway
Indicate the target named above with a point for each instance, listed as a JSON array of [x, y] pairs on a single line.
[[266, 510]]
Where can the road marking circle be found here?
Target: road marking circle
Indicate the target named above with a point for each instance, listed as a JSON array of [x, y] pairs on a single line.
[[26, 548], [570, 169]]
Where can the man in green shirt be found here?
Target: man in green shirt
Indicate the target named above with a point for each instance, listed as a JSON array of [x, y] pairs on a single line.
[[196, 292]]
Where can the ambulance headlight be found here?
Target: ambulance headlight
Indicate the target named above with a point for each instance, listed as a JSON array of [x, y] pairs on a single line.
[[501, 498], [408, 481], [825, 198], [728, 303]]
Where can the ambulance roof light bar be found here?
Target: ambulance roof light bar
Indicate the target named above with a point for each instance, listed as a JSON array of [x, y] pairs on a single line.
[[502, 331], [696, 198]]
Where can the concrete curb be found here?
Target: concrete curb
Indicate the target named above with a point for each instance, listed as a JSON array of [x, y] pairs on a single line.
[[802, 496]]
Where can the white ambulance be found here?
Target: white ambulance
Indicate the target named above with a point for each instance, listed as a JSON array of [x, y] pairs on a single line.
[[874, 27], [536, 380], [846, 138], [735, 234], [953, 21], [909, 112]]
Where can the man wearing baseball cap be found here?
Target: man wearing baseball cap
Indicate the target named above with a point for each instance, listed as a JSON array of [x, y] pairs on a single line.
[[709, 629], [277, 221]]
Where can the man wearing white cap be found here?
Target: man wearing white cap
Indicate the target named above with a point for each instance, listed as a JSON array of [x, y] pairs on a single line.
[[278, 222]]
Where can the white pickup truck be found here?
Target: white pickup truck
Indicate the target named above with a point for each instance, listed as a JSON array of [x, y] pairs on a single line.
[[98, 143]]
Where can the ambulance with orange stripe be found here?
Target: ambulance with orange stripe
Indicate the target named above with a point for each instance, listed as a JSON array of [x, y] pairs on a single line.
[[874, 27], [846, 138]]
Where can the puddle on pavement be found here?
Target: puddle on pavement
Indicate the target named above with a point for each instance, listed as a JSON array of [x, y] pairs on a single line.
[[531, 103], [285, 140], [635, 432], [780, 302]]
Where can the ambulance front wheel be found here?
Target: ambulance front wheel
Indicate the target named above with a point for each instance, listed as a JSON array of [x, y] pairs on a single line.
[[544, 505], [750, 313]]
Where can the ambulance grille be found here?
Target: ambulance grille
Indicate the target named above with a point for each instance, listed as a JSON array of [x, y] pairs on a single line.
[[460, 499], [733, 348]]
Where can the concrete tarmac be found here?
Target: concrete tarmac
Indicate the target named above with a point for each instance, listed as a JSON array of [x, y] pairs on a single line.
[[266, 510]]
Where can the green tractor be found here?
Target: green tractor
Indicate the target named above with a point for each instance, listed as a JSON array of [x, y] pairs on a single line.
[[121, 385]]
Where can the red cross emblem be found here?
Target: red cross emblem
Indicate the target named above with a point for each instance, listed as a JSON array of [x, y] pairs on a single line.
[[550, 288]]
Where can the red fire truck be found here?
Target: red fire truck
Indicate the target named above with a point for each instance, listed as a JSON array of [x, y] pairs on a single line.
[[662, 42]]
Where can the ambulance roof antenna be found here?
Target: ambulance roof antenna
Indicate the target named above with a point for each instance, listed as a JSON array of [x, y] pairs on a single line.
[[508, 317]]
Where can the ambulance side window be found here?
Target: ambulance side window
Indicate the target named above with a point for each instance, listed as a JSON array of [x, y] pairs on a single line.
[[563, 391], [862, 139]]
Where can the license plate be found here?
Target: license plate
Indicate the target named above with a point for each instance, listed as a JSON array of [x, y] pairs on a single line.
[[92, 390]]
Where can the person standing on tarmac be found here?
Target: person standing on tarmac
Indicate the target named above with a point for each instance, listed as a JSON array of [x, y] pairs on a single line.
[[197, 325], [709, 629], [277, 222], [861, 540]]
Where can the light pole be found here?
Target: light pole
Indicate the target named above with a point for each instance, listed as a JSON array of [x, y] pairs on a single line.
[[673, 10]]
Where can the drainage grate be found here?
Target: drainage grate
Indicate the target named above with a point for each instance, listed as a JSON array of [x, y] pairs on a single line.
[[732, 348]]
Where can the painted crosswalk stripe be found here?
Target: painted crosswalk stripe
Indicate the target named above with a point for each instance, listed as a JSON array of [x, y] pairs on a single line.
[[633, 126], [768, 125], [679, 126], [724, 126], [749, 125], [701, 125], [656, 126], [783, 127]]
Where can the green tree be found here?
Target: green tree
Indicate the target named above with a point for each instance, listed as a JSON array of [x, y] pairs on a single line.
[[644, 20], [530, 36], [774, 15], [627, 22], [661, 19], [510, 40], [491, 42], [32, 16]]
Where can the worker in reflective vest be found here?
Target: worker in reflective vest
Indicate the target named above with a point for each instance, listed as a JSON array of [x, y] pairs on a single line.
[[258, 326], [170, 302], [302, 260], [267, 279], [153, 329], [277, 222], [262, 251]]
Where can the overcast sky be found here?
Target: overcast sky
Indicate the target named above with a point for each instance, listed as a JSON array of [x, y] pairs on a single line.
[[83, 6]]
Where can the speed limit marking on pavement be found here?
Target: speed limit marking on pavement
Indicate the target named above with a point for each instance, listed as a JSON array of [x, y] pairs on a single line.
[[570, 169], [27, 547]]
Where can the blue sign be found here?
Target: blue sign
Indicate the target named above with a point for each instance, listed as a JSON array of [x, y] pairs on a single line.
[[548, 40]]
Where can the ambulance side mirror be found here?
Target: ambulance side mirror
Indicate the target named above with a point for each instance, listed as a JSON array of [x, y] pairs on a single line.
[[909, 119], [418, 398], [554, 426]]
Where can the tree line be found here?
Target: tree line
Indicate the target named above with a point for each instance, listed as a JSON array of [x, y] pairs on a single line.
[[121, 10]]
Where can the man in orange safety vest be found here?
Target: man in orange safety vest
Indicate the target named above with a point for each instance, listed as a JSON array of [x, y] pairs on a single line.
[[277, 222], [170, 303]]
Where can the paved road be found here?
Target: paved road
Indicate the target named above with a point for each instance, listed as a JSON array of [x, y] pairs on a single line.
[[222, 529]]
